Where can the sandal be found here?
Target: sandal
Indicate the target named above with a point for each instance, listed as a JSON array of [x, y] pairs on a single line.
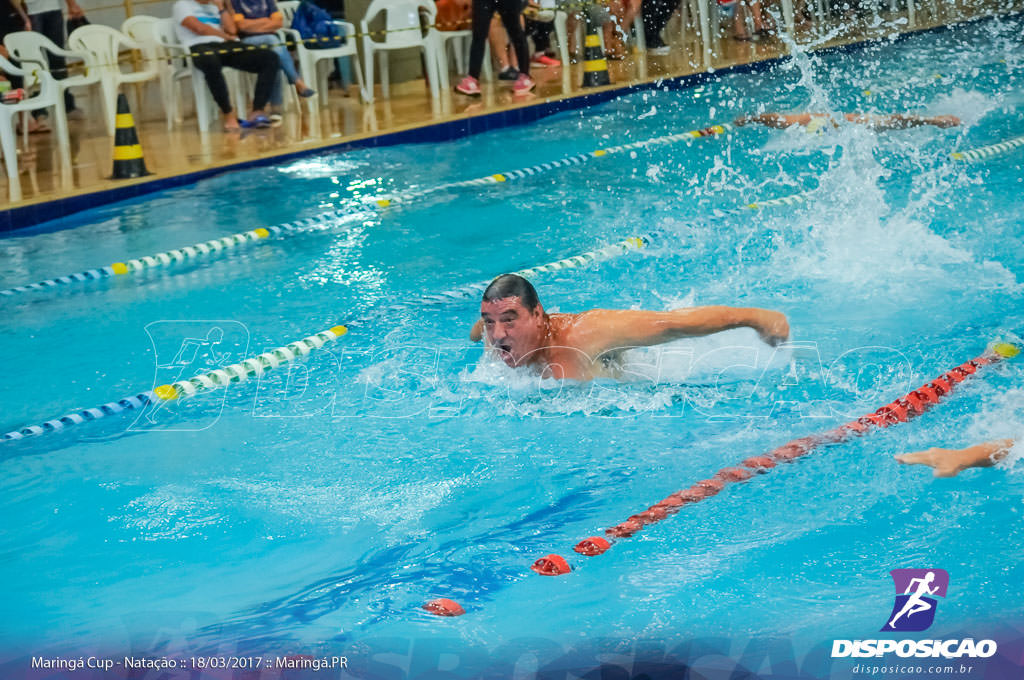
[[259, 121]]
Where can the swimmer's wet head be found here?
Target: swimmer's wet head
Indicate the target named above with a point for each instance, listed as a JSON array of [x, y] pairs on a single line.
[[512, 318]]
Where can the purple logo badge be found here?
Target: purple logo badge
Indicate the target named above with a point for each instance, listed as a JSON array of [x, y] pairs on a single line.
[[914, 609]]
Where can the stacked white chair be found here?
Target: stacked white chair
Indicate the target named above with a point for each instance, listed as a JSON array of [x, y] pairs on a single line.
[[104, 44], [402, 30], [30, 49], [50, 96], [310, 60], [142, 29]]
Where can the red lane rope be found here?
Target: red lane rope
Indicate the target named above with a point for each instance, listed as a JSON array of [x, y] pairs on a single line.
[[899, 411]]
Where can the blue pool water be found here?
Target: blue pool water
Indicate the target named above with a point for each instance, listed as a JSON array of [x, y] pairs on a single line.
[[316, 511]]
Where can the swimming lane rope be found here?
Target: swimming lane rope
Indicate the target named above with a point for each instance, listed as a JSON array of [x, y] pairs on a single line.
[[983, 152], [229, 243], [202, 382], [217, 246], [899, 411]]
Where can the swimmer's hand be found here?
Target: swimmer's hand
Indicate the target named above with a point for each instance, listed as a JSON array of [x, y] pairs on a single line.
[[945, 121], [476, 333], [772, 326], [951, 462], [943, 461]]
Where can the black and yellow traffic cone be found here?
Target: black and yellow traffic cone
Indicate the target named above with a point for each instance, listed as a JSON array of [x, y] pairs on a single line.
[[595, 68], [128, 161]]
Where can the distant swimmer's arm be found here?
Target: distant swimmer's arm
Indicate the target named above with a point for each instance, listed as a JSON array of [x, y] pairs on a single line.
[[476, 333], [776, 120], [951, 462], [901, 121], [601, 330]]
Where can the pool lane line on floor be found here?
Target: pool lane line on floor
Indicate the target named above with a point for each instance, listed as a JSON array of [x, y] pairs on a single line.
[[899, 411], [206, 381], [984, 152], [227, 244]]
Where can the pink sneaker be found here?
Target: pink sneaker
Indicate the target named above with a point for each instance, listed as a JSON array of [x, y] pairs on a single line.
[[542, 60], [468, 86], [524, 84]]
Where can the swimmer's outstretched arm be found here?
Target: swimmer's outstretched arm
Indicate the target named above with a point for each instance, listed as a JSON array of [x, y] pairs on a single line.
[[602, 330], [951, 462], [776, 120], [901, 121]]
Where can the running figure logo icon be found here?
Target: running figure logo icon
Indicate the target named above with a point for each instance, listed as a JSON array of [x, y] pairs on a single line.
[[914, 610]]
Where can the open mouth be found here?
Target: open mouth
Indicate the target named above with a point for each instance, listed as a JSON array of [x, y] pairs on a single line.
[[505, 352]]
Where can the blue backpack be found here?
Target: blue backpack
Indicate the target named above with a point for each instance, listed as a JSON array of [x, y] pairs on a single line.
[[316, 27]]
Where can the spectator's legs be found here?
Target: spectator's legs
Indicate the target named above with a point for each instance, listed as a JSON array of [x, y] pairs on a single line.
[[51, 24], [276, 96], [206, 59], [482, 12], [498, 39], [510, 16], [656, 15], [264, 64], [540, 31], [615, 30]]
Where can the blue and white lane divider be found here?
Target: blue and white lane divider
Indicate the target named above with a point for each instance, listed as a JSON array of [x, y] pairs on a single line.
[[228, 243], [203, 382], [217, 246], [604, 253], [411, 196], [600, 254], [983, 152]]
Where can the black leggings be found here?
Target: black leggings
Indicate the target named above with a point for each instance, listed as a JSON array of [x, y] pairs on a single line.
[[509, 10], [540, 31], [263, 63], [656, 14], [51, 24]]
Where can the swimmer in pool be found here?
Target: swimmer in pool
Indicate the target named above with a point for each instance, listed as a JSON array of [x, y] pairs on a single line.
[[951, 462], [588, 345], [875, 121]]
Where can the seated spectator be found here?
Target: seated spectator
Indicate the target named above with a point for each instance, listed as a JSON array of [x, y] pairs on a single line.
[[257, 21], [539, 23], [207, 29]]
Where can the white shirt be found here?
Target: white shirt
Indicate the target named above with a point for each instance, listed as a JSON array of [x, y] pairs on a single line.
[[207, 13], [40, 6]]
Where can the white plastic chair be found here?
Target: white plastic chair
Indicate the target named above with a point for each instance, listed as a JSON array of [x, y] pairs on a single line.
[[103, 44], [310, 59], [30, 48], [206, 108], [403, 30], [50, 96], [142, 29], [459, 42]]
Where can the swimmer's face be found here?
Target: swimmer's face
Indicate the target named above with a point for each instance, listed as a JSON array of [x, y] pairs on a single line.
[[512, 330]]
